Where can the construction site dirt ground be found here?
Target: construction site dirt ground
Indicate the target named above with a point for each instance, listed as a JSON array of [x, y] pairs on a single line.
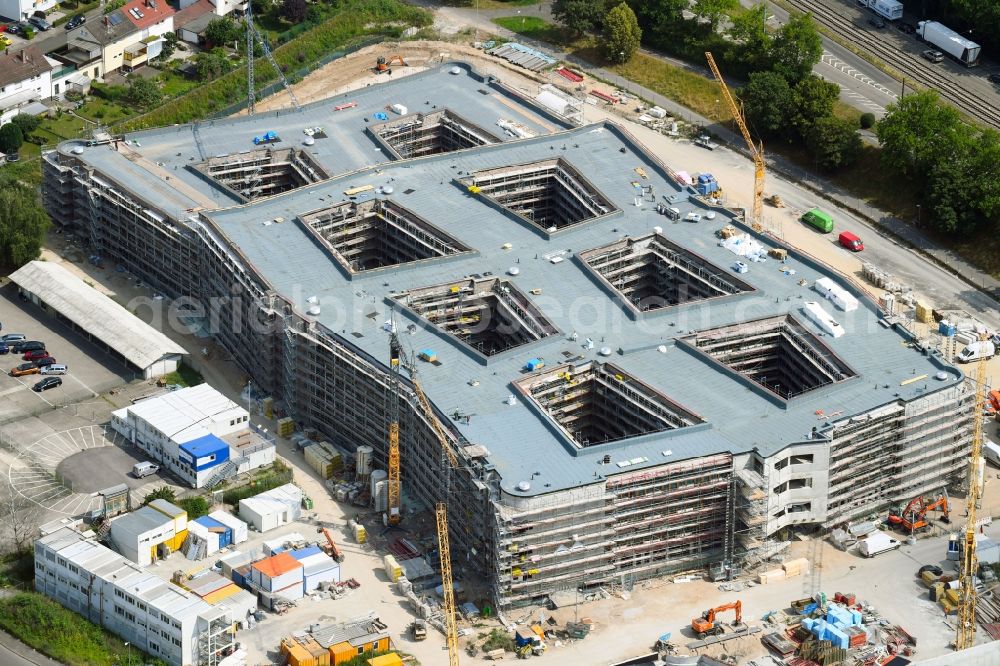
[[624, 627]]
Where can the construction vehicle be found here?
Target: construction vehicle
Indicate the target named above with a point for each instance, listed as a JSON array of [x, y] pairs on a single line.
[[418, 629], [965, 632], [331, 548], [913, 517], [756, 151], [706, 624], [384, 65], [775, 200]]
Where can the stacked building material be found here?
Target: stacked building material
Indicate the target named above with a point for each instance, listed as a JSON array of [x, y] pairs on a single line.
[[324, 459], [795, 567], [773, 576]]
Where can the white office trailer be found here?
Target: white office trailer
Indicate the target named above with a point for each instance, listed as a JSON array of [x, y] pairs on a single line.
[[317, 569], [239, 528], [153, 615], [145, 535], [197, 433], [272, 509]]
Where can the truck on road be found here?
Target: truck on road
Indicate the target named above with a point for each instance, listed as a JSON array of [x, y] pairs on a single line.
[[890, 10], [958, 47], [877, 543]]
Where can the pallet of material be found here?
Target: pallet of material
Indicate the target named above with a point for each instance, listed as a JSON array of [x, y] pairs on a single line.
[[569, 74], [606, 97], [773, 576], [796, 567], [777, 643]]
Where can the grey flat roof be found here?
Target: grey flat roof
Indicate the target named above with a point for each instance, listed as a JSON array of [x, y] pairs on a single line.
[[523, 444], [346, 148]]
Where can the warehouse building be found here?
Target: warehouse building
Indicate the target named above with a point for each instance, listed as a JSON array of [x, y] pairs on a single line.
[[626, 397], [272, 509], [155, 616], [197, 433], [109, 325], [150, 532]]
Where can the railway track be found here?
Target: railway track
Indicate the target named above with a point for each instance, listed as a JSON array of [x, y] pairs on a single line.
[[910, 65]]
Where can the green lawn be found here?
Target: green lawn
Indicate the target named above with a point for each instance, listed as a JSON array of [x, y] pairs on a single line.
[[701, 95], [490, 4], [185, 376], [103, 111], [62, 634], [174, 84], [535, 28]]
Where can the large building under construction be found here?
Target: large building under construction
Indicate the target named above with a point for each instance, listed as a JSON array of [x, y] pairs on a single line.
[[625, 399]]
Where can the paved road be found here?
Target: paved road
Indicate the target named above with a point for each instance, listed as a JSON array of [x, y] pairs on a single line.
[[54, 39], [15, 653]]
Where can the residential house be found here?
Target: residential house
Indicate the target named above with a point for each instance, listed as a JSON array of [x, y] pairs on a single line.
[[190, 22], [153, 18], [16, 10], [220, 7], [98, 47], [25, 80], [67, 77]]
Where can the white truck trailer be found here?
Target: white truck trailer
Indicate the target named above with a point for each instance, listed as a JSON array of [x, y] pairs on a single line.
[[877, 543], [890, 10], [961, 49]]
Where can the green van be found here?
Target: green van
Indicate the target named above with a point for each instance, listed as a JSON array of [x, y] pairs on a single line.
[[818, 219]]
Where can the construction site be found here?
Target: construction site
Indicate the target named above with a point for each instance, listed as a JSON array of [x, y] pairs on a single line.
[[484, 294]]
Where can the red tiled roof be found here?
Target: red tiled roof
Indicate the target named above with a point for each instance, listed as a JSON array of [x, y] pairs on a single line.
[[277, 565], [151, 11], [191, 12]]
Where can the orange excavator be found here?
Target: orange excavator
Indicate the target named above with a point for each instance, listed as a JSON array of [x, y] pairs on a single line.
[[384, 65], [914, 516], [706, 625]]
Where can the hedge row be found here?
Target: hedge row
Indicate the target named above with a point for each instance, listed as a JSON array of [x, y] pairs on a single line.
[[357, 18]]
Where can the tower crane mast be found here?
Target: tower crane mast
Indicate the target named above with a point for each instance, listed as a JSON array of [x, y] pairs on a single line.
[[757, 152], [253, 36], [966, 630]]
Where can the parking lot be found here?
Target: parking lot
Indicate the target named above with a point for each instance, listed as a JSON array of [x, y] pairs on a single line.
[[91, 370]]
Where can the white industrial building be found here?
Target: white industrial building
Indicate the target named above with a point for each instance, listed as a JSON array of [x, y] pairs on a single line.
[[197, 433], [273, 508], [61, 293], [155, 616], [145, 535]]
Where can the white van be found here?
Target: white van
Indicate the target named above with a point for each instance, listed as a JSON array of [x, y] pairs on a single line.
[[991, 452], [144, 469], [54, 369], [975, 351]]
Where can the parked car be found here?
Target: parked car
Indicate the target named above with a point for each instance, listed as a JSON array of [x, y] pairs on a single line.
[[25, 346], [34, 354], [76, 21], [144, 469], [851, 242], [11, 338], [40, 23], [994, 78], [46, 384], [4, 349], [44, 361], [16, 29], [932, 55], [876, 22], [5, 41], [54, 369], [24, 369]]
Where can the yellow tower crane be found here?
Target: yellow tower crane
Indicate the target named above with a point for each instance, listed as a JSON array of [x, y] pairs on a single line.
[[441, 515], [396, 357], [757, 151], [966, 630]]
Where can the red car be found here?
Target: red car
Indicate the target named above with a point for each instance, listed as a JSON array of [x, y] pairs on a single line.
[[34, 355]]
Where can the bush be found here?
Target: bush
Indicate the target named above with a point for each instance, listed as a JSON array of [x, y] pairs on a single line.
[[108, 92], [196, 507], [74, 95], [867, 120], [11, 138]]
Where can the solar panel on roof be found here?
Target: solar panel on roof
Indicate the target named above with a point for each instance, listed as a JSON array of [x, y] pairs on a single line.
[[115, 18]]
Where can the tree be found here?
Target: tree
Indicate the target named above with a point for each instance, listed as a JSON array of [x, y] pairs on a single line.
[[814, 99], [222, 31], [768, 101], [659, 18], [212, 64], [918, 131], [143, 93], [749, 31], [622, 34], [833, 142], [28, 123], [23, 225], [196, 507], [11, 138], [867, 120], [112, 5], [19, 518], [170, 41], [294, 10], [163, 492], [713, 10], [796, 48], [579, 16]]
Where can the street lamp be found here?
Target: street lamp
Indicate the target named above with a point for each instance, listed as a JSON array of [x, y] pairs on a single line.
[[129, 658], [918, 216]]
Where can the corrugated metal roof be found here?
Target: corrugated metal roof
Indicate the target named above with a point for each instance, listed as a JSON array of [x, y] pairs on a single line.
[[353, 633], [276, 565], [167, 508], [138, 522], [95, 313]]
